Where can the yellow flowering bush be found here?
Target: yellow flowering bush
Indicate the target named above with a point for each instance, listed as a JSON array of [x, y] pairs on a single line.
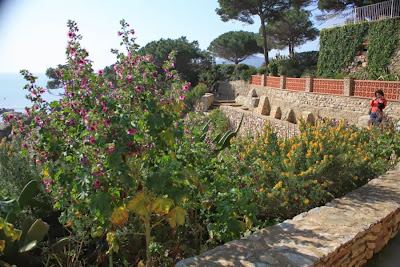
[[292, 175]]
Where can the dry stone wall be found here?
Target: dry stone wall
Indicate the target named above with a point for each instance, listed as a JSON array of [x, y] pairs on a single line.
[[346, 232], [254, 124], [320, 105]]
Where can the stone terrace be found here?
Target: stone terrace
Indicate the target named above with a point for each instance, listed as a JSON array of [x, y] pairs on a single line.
[[345, 232]]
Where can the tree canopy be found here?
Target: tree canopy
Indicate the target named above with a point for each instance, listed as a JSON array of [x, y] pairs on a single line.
[[294, 28], [54, 75], [245, 10], [190, 59], [235, 46], [334, 5]]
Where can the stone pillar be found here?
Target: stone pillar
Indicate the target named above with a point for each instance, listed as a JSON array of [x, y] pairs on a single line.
[[283, 82], [309, 84], [263, 79], [348, 86]]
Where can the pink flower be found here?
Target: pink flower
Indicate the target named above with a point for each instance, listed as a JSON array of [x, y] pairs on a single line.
[[185, 88], [100, 72], [110, 84], [138, 89], [131, 131], [70, 34], [91, 140], [107, 122], [111, 148], [104, 109], [133, 31], [182, 97], [162, 100], [96, 184], [11, 116], [119, 33]]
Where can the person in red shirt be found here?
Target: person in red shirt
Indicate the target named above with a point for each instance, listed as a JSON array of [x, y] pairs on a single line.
[[378, 103]]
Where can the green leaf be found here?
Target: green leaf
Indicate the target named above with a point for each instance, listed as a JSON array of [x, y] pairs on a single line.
[[161, 206], [37, 231], [31, 245], [176, 217], [140, 205]]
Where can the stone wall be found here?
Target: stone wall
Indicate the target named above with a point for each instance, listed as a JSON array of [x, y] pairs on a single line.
[[324, 105], [254, 124], [346, 232]]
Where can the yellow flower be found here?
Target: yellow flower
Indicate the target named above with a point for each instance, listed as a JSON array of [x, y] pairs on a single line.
[[261, 189], [315, 181], [306, 201], [356, 177], [325, 184], [269, 195], [278, 185], [69, 224], [331, 156]]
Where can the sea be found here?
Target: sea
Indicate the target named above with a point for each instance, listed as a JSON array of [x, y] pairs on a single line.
[[12, 92]]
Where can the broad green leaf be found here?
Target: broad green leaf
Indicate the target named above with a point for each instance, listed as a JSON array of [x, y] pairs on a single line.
[[31, 245], [139, 205], [176, 217], [161, 206], [37, 231]]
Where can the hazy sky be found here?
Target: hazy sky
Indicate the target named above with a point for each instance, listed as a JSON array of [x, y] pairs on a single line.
[[33, 33]]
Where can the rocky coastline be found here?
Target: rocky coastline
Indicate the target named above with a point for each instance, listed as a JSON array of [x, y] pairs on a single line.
[[5, 129]]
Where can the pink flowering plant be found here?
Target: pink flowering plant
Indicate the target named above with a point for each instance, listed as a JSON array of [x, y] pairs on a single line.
[[108, 148]]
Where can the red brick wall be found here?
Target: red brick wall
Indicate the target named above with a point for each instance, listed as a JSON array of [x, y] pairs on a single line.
[[296, 84], [274, 82], [362, 88], [256, 79], [368, 88], [328, 86]]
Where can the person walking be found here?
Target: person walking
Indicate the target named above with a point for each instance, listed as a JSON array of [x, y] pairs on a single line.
[[378, 103]]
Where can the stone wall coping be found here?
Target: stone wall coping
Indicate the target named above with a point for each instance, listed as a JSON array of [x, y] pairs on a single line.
[[345, 232]]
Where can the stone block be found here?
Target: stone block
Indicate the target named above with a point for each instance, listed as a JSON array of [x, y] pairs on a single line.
[[289, 116], [207, 100], [263, 106], [276, 112], [308, 117], [252, 93]]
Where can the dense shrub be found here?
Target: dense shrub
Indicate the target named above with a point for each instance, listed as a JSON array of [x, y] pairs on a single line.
[[301, 64], [219, 121], [16, 170], [193, 96]]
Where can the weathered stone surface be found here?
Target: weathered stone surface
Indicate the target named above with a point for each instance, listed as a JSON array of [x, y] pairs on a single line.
[[347, 232], [263, 107], [276, 112], [308, 117], [207, 99], [254, 102], [363, 121], [5, 130], [289, 116]]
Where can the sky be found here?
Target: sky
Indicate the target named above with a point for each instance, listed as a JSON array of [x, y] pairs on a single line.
[[33, 33]]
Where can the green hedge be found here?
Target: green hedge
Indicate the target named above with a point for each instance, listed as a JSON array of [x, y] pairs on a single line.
[[339, 45], [384, 39]]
